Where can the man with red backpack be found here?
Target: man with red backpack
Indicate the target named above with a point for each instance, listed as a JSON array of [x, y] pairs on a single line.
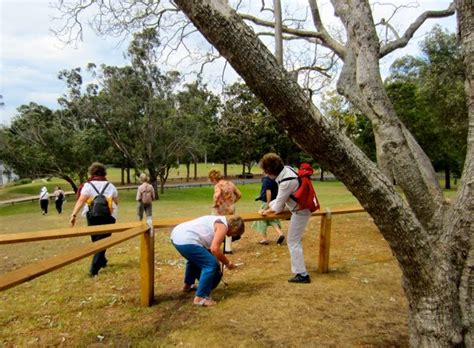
[[295, 194]]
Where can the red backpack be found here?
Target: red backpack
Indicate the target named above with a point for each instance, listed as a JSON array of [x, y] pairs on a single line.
[[305, 196]]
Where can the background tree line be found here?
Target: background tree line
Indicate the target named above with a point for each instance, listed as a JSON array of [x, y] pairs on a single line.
[[135, 117]]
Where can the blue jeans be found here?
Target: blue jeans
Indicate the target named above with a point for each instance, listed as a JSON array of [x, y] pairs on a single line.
[[201, 265]]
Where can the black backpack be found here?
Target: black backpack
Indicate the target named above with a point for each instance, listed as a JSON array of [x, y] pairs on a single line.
[[99, 207]]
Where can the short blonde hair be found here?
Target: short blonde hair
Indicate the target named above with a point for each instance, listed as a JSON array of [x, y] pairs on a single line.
[[143, 178], [236, 226], [215, 174]]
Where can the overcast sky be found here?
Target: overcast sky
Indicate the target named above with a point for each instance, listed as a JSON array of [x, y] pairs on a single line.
[[31, 57]]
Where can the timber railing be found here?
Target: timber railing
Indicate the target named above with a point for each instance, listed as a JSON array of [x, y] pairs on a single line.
[[122, 232]]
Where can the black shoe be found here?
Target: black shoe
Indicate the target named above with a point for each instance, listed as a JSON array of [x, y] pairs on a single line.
[[300, 279], [280, 239]]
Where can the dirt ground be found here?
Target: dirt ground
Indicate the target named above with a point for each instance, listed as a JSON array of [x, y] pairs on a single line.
[[359, 303]]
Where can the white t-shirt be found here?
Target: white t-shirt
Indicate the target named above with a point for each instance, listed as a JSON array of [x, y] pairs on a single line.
[[110, 191], [199, 231]]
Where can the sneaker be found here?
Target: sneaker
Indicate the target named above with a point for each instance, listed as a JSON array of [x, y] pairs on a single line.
[[300, 279]]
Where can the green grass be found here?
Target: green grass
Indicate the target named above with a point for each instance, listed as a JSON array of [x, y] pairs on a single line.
[[259, 308], [114, 175], [193, 201]]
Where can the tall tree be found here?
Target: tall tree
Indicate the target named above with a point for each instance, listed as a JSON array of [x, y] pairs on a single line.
[[430, 236], [428, 94], [197, 109], [135, 105], [41, 142], [244, 120]]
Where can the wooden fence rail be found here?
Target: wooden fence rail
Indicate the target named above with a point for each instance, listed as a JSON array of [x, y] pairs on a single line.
[[125, 231]]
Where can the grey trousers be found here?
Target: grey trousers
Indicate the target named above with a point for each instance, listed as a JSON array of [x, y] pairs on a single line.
[[296, 228]]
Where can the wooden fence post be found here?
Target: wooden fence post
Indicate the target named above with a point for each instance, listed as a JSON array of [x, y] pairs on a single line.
[[147, 266], [324, 241]]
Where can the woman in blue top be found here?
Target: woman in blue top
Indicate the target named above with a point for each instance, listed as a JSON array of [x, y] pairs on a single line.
[[268, 193]]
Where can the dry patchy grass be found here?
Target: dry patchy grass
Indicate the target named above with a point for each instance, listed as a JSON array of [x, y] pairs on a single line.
[[359, 303]]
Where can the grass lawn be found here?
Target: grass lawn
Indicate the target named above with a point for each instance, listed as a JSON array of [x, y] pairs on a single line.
[[114, 175], [360, 302]]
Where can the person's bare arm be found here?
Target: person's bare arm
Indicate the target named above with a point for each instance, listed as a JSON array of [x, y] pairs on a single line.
[[237, 193], [219, 236], [77, 207]]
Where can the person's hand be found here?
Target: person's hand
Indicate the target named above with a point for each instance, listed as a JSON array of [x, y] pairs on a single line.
[[262, 212], [72, 221], [231, 265]]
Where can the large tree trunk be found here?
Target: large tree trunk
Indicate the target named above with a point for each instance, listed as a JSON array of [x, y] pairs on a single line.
[[429, 238], [154, 181], [464, 205], [71, 182]]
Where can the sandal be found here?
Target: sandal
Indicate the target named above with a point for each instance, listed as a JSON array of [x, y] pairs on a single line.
[[204, 302], [263, 242], [280, 239]]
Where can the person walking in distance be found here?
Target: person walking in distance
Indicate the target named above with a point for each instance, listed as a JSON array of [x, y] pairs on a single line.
[[99, 200], [145, 197], [58, 199], [44, 200]]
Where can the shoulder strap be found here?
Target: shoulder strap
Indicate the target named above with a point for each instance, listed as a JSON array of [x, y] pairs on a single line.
[[288, 179], [95, 188], [105, 187]]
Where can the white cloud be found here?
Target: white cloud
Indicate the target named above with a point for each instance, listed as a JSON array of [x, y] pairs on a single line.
[[31, 57]]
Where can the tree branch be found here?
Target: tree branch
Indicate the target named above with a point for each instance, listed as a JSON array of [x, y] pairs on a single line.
[[403, 41], [328, 40], [337, 48]]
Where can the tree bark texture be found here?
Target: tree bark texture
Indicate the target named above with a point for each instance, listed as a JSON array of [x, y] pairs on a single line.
[[399, 155], [431, 249], [464, 205]]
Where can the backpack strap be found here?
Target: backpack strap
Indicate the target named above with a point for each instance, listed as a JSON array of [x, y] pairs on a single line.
[[287, 179], [96, 190], [105, 188], [292, 178]]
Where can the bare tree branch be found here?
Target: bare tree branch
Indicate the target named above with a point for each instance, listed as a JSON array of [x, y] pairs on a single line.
[[326, 39], [403, 41]]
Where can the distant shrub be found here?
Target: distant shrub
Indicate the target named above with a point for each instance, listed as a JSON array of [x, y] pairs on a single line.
[[23, 181]]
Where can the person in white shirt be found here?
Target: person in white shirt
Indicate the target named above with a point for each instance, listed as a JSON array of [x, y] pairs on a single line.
[[199, 242], [44, 200], [96, 184], [288, 183]]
